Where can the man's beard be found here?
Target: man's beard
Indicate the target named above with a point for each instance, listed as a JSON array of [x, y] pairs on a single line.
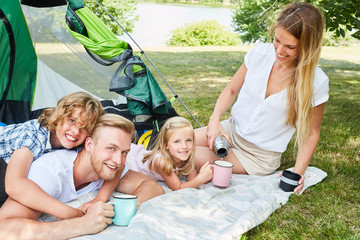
[[99, 167]]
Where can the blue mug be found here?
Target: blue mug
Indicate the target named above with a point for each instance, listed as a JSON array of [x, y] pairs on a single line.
[[124, 209]]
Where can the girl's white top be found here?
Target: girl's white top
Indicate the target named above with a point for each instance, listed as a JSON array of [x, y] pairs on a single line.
[[134, 161]]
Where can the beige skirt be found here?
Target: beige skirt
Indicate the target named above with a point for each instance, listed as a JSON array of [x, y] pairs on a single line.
[[254, 160]]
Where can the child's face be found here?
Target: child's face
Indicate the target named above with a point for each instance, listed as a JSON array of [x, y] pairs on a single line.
[[181, 143], [70, 132]]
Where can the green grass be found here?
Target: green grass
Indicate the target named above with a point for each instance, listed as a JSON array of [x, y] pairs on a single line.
[[329, 210]]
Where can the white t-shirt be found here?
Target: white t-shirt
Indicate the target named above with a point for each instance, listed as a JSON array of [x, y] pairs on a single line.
[[263, 121], [53, 172]]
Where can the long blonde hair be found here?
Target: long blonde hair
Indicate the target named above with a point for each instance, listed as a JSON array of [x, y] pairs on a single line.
[[163, 138], [65, 106], [306, 23]]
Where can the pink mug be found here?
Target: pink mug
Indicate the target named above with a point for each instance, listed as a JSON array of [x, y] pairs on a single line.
[[222, 173]]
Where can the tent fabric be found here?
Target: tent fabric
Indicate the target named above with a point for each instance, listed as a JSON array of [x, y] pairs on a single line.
[[51, 86], [35, 86], [18, 100], [132, 79], [43, 3], [141, 89], [99, 40]]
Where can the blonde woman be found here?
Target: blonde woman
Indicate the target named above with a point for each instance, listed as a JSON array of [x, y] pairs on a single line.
[[279, 90], [172, 157]]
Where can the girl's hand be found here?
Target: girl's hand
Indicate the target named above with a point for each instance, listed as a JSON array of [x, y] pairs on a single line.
[[206, 173], [86, 206]]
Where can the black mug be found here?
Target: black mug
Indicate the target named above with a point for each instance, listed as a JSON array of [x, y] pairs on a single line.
[[289, 180]]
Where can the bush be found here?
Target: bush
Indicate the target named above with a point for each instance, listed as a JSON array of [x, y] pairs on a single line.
[[204, 33]]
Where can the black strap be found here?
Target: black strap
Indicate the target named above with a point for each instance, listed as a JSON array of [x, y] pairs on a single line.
[[12, 54]]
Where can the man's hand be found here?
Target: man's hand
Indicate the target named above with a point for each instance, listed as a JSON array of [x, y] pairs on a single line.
[[97, 217]]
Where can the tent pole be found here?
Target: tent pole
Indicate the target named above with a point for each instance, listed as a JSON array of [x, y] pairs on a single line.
[[142, 52]]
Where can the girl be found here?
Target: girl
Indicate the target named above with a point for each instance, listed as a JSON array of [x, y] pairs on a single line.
[[172, 157], [65, 126]]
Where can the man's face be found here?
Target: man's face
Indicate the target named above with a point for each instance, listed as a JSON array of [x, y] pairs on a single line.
[[109, 150]]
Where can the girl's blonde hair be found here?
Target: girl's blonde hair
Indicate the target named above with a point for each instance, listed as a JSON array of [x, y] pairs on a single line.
[[65, 106], [305, 23], [160, 147]]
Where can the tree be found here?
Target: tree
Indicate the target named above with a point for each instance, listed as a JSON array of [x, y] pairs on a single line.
[[342, 15], [122, 10], [252, 18]]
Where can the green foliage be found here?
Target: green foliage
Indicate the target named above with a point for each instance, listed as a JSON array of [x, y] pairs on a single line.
[[122, 10], [253, 18], [204, 33], [330, 39], [341, 16]]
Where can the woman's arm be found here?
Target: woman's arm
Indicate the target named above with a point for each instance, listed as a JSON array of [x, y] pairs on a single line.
[[306, 151], [28, 193], [223, 103]]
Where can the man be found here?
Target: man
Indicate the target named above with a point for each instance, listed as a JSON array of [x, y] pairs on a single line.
[[66, 174]]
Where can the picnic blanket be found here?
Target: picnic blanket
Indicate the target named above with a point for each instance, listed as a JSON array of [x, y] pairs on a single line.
[[208, 212]]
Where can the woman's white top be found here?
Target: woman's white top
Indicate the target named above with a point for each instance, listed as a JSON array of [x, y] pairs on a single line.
[[263, 121]]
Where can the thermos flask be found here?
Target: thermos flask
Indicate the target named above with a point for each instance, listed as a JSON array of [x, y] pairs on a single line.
[[221, 146]]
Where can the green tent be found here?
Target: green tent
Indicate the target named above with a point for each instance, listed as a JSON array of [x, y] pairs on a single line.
[[18, 64], [29, 84]]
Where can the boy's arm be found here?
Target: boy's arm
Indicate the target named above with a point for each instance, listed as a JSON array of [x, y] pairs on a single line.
[[97, 218], [104, 193], [25, 191]]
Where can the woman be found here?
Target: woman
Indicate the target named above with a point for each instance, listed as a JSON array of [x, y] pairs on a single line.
[[279, 89]]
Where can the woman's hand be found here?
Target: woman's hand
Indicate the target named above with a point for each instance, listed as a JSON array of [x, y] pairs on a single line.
[[300, 187], [213, 130]]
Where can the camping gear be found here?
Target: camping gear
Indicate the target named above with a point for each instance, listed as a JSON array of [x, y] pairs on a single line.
[[222, 173], [221, 146], [289, 180], [145, 100], [29, 84], [18, 64], [124, 209]]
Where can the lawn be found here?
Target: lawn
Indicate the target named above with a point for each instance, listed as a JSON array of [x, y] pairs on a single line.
[[329, 210]]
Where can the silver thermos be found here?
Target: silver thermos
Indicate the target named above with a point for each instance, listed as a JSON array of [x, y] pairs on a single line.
[[221, 146]]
